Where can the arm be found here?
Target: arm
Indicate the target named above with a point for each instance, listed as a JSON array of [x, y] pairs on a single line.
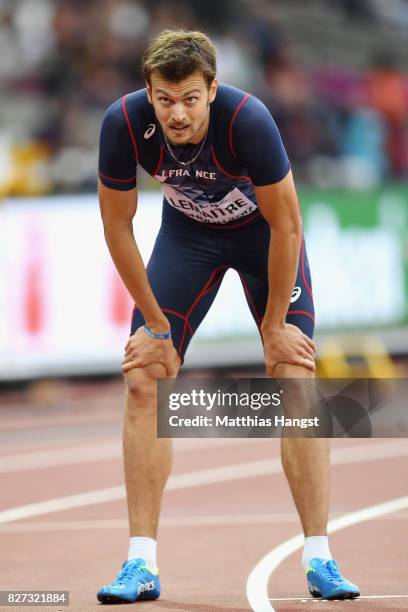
[[118, 209], [259, 147], [118, 157], [283, 342], [279, 206]]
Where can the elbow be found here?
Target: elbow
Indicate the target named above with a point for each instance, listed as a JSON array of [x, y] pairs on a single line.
[[107, 227], [291, 227], [295, 222], [113, 232], [297, 226], [296, 233]]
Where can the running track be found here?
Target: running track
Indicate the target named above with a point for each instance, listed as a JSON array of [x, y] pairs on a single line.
[[228, 523]]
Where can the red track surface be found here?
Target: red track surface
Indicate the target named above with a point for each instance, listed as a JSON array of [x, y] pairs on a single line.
[[211, 536]]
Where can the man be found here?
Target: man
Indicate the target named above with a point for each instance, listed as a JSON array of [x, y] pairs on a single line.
[[229, 202]]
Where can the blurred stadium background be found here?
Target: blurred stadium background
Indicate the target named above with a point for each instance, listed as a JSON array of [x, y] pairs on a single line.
[[334, 75]]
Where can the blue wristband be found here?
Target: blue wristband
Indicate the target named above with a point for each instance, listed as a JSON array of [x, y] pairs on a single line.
[[156, 336]]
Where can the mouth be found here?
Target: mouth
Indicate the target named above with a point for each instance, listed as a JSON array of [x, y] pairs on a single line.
[[179, 130]]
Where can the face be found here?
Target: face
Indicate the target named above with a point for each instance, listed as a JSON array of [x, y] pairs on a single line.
[[182, 109]]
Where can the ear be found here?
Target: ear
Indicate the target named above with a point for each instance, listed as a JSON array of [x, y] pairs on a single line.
[[149, 92], [213, 91]]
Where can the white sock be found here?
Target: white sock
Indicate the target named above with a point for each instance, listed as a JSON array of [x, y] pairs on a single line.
[[143, 548], [315, 546]]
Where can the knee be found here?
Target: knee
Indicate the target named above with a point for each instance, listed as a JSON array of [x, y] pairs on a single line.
[[141, 383]]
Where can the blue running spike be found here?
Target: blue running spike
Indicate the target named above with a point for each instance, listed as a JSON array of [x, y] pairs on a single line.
[[135, 581], [324, 580]]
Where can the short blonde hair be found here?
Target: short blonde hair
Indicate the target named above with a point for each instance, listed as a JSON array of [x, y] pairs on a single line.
[[177, 54]]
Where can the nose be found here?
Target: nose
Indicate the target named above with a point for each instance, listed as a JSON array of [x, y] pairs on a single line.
[[178, 113]]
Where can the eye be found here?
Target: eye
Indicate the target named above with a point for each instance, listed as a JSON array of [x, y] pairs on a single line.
[[192, 99], [164, 100]]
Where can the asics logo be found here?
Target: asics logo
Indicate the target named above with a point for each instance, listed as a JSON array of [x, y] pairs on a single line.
[[295, 294], [145, 586], [151, 128]]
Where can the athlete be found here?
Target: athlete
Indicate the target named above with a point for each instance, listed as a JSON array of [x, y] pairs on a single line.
[[229, 202]]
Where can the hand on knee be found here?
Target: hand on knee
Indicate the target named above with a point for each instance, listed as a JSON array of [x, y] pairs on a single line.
[[288, 345], [142, 351]]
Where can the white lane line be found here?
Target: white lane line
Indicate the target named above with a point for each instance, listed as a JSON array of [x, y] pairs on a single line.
[[350, 600], [180, 521], [26, 527], [60, 456], [257, 583], [100, 496], [228, 520], [340, 456], [113, 450], [103, 451], [176, 482]]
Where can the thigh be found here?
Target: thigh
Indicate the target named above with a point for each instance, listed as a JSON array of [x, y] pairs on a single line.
[[253, 271], [185, 273]]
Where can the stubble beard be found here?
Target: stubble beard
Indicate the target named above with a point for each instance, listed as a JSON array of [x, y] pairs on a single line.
[[187, 142]]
